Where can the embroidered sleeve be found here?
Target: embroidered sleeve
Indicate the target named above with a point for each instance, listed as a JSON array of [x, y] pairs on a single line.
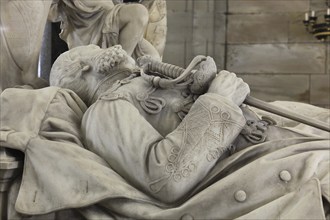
[[166, 167], [202, 137]]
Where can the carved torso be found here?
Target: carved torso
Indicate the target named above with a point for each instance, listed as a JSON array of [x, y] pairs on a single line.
[[163, 109]]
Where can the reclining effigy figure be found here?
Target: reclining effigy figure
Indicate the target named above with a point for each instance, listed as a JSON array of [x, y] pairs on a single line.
[[145, 151]]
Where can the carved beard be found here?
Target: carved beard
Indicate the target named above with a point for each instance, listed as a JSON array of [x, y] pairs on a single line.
[[107, 60]]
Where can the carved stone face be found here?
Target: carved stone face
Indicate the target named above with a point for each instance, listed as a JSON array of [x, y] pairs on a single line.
[[82, 68], [96, 63]]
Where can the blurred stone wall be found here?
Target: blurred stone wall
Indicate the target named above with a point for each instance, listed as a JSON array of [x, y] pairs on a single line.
[[263, 41]]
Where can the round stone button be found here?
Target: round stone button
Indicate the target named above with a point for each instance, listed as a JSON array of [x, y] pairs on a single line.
[[240, 196], [285, 175], [187, 217]]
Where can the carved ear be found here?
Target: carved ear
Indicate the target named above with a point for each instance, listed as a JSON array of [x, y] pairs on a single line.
[[85, 67]]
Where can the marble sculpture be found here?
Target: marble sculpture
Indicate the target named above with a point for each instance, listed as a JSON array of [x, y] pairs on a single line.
[[120, 135]]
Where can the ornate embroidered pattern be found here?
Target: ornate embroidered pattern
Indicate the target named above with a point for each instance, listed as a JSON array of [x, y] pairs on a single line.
[[206, 133], [150, 104]]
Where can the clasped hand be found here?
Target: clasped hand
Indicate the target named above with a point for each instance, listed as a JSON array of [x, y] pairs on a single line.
[[228, 85]]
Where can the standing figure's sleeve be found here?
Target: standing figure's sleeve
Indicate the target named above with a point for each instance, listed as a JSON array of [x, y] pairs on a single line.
[[165, 167]]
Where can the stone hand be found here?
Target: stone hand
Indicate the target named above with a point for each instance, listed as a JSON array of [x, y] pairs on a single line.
[[228, 85]]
